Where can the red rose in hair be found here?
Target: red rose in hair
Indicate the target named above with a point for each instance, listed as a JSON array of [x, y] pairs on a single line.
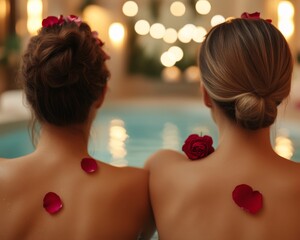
[[73, 18], [196, 147], [50, 21], [61, 20], [255, 15]]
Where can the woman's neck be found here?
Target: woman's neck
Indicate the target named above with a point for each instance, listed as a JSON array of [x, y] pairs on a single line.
[[63, 140], [235, 140]]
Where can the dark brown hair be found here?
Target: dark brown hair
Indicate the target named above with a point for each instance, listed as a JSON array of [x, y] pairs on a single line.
[[63, 73], [246, 67]]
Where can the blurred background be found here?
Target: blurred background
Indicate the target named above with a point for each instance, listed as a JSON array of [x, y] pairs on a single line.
[[150, 41], [153, 46]]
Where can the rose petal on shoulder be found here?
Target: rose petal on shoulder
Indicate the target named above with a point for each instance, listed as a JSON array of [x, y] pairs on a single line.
[[89, 165], [52, 203]]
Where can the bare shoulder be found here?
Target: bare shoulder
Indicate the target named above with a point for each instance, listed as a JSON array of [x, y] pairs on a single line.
[[163, 158], [293, 173], [129, 176], [3, 160]]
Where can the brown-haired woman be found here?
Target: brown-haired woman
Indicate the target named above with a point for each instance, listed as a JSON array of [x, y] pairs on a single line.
[[59, 191], [243, 189]]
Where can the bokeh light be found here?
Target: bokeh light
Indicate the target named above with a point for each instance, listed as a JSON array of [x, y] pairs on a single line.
[[217, 19], [192, 74], [285, 9], [171, 74], [157, 31], [171, 136], [177, 8], [177, 52], [34, 13], [116, 33], [284, 147], [286, 27], [130, 8], [185, 34], [170, 35], [199, 34], [142, 27], [168, 59], [286, 24], [116, 145], [203, 7]]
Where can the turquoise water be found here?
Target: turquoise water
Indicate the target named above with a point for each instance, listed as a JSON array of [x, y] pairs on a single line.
[[128, 135]]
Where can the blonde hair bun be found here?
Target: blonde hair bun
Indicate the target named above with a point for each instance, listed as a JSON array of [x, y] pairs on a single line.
[[254, 112]]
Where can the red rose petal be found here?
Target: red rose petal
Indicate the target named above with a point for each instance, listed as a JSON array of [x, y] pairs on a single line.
[[244, 196], [89, 165], [52, 203]]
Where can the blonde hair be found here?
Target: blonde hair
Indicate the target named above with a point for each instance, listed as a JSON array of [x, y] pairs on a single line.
[[246, 67]]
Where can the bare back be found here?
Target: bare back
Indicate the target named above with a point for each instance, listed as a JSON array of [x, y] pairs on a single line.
[[193, 199], [112, 203]]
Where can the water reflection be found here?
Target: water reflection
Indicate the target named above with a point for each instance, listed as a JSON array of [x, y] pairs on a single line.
[[201, 130], [116, 145], [170, 136], [283, 144]]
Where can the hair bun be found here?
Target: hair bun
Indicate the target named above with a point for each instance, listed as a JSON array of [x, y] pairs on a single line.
[[59, 55], [254, 112]]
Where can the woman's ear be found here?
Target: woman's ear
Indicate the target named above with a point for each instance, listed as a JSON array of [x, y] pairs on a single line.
[[206, 98]]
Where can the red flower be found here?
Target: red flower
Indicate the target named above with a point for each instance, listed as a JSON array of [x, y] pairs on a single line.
[[89, 165], [61, 20], [73, 18], [52, 203], [96, 36], [196, 147], [249, 200], [255, 15], [52, 21], [100, 43]]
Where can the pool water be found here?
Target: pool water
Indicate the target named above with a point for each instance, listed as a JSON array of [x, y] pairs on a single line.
[[127, 134]]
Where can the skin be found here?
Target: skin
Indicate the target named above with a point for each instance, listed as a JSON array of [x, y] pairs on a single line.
[[192, 199], [112, 203]]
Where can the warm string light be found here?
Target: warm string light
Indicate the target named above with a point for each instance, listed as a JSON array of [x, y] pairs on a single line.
[[34, 13], [203, 7], [189, 32], [177, 9], [286, 18], [116, 33]]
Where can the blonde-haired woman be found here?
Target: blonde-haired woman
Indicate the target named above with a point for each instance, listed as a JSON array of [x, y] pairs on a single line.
[[243, 189]]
